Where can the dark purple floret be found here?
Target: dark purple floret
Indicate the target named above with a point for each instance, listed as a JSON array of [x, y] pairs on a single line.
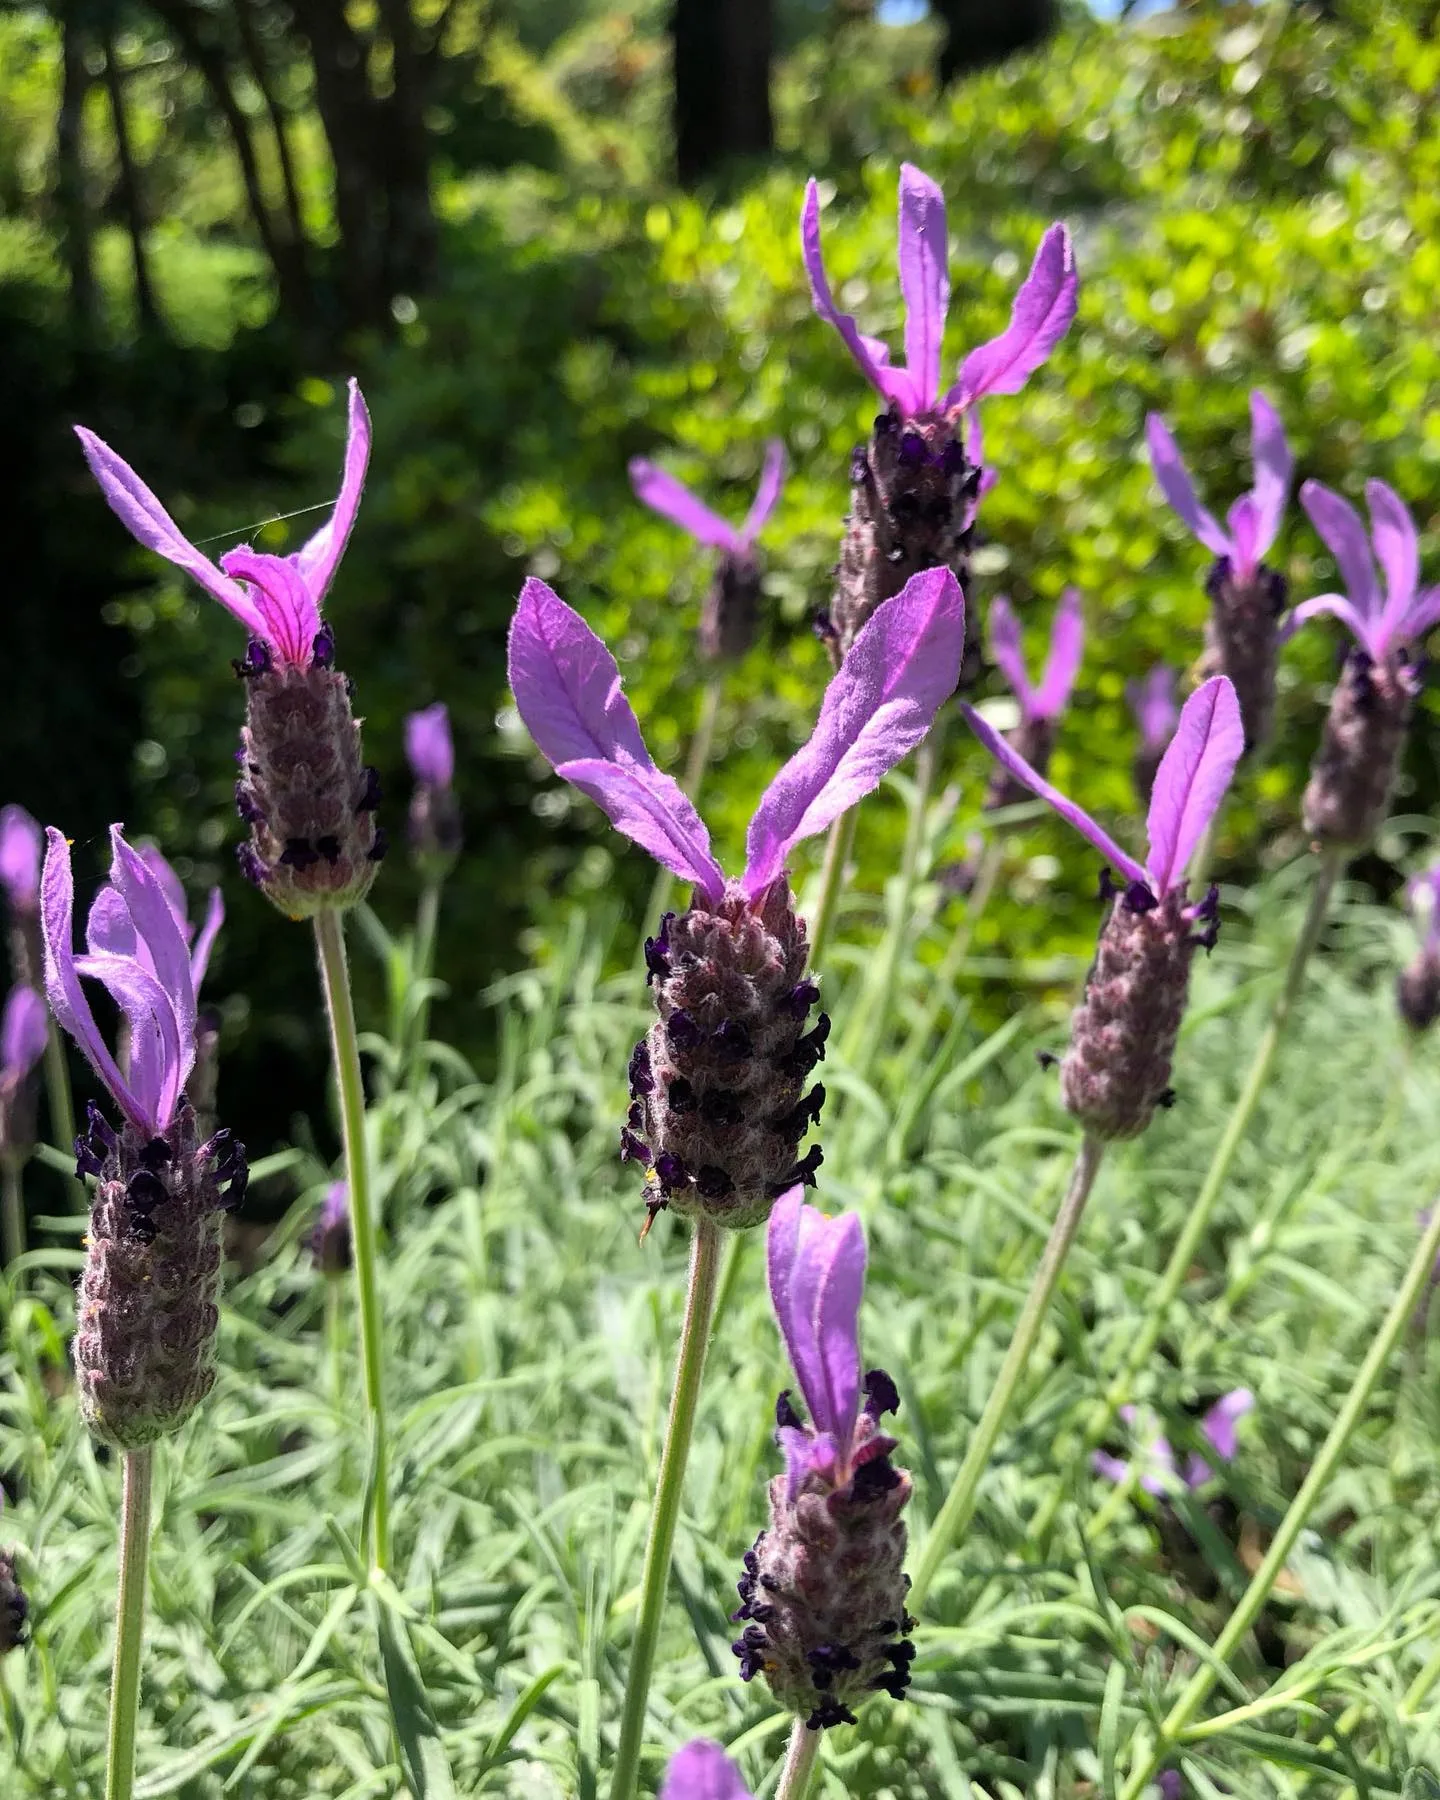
[[881, 1394], [328, 847], [299, 855], [786, 1417], [633, 1149], [322, 649], [95, 1143], [830, 1712], [803, 1172], [641, 1079], [829, 1660], [874, 1479], [379, 848], [371, 795], [251, 866], [801, 998], [733, 1040], [672, 1172], [719, 1107], [682, 1031], [681, 1095], [712, 1183], [246, 806], [657, 952], [256, 660]]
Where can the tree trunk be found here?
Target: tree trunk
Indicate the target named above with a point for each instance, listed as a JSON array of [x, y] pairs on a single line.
[[131, 202], [76, 229], [979, 32], [722, 84], [412, 246], [260, 73]]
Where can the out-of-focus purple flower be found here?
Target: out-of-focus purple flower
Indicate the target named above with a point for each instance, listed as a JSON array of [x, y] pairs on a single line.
[[671, 498], [15, 1608], [330, 1238], [203, 943], [429, 748], [1254, 519], [22, 1038], [276, 598], [1171, 1784], [702, 1771], [1381, 617], [1062, 665], [1152, 700], [1043, 309], [1417, 987], [21, 843], [136, 949], [1159, 1472]]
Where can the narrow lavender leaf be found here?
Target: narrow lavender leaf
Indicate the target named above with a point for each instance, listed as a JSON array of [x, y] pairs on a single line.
[[1192, 778]]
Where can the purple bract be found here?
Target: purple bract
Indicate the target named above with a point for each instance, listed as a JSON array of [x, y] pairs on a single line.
[[670, 498], [1254, 519], [174, 892], [1159, 1472], [1152, 701], [1043, 309], [1380, 619], [22, 1038], [428, 746], [702, 1771], [21, 843], [1062, 665]]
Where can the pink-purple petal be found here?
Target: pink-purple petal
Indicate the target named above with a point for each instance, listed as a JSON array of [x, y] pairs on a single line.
[[1192, 778], [22, 1035], [791, 1295], [1152, 700], [924, 282], [669, 497], [154, 859], [901, 668], [1072, 814], [652, 811], [205, 939], [21, 845], [109, 929], [1273, 468], [767, 494], [838, 1247], [429, 748], [316, 561], [702, 1771], [1338, 607], [1220, 1421], [1243, 524], [160, 1056], [859, 347], [1339, 526], [1179, 490], [1008, 653], [1397, 550], [1423, 615], [1062, 665], [1040, 317], [288, 609], [166, 939]]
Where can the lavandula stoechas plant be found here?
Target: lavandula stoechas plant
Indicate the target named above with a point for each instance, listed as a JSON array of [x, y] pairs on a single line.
[[305, 794], [823, 1595], [23, 1031], [1359, 755], [730, 615], [1152, 701], [1417, 988], [915, 485], [1247, 597], [1040, 706], [718, 1084]]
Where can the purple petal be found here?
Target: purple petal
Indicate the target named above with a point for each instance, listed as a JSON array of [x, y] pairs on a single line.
[[1062, 665], [900, 669], [1152, 700], [1339, 526], [62, 982], [702, 1771], [170, 885], [147, 521], [109, 930], [772, 479], [1175, 484], [1113, 1468], [428, 746], [860, 348], [165, 938], [784, 1241], [316, 561], [205, 941], [1397, 549], [1040, 317], [21, 843], [1219, 1423], [567, 687], [805, 1455], [1273, 468], [1422, 616], [924, 281], [1243, 524], [288, 610], [1339, 608], [1071, 813], [1191, 780], [22, 1035], [1006, 649], [838, 1249], [670, 498], [160, 1059]]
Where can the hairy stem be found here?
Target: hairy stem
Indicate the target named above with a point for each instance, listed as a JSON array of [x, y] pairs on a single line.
[[129, 1622], [799, 1763], [669, 1484], [335, 978], [1402, 1308], [832, 878], [959, 1505]]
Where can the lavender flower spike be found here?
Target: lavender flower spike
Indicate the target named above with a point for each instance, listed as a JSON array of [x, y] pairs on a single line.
[[434, 825], [1351, 777], [702, 1771], [717, 1083], [146, 1316], [21, 841], [731, 613], [1041, 706], [1247, 597], [1417, 989], [824, 1587], [1160, 1474], [304, 793], [1152, 700], [330, 1239], [1122, 1038], [916, 484]]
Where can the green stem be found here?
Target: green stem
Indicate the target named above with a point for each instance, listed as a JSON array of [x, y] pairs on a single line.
[[959, 1505], [427, 916], [335, 1339], [832, 878], [669, 1485], [799, 1763], [1422, 1264], [335, 978], [697, 761], [12, 1208], [1197, 1220], [129, 1622]]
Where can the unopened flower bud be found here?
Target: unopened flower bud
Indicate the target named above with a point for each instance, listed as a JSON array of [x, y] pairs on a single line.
[[1359, 756]]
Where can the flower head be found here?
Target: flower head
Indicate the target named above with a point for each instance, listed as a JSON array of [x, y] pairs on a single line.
[[276, 598], [136, 949], [1062, 665], [702, 1771], [203, 943], [1254, 519], [1040, 317], [1381, 618], [330, 1238], [1159, 1472], [21, 841], [670, 498], [428, 746]]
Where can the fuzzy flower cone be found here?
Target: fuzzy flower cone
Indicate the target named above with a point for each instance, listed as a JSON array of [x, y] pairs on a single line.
[[1417, 989], [147, 1307], [702, 1771], [916, 485], [1152, 701], [1359, 756], [824, 1586], [1122, 1038], [435, 834], [1246, 596], [304, 792], [1040, 707], [730, 616], [719, 1104]]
